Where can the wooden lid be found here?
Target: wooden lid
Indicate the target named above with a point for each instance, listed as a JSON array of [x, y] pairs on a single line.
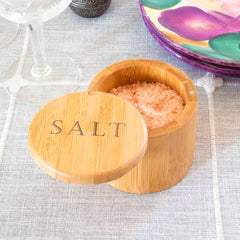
[[87, 138]]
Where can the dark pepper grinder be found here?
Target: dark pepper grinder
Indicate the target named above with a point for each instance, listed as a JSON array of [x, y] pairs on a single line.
[[90, 8]]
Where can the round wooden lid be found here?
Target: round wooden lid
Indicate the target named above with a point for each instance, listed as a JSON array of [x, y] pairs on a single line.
[[87, 138]]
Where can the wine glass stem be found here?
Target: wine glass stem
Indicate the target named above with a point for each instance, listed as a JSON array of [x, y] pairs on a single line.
[[40, 67]]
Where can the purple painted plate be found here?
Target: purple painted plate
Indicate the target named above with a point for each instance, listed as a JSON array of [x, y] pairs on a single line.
[[195, 62], [208, 30]]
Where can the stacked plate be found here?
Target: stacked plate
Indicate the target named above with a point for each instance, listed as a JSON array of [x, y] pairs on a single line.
[[204, 34]]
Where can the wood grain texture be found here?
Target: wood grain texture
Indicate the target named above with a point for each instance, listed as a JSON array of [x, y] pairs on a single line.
[[87, 138], [171, 147]]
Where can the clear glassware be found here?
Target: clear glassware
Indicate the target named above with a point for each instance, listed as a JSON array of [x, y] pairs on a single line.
[[8, 32], [42, 68]]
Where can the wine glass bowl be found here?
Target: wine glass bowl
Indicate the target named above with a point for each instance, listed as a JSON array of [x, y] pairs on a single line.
[[47, 67], [27, 11]]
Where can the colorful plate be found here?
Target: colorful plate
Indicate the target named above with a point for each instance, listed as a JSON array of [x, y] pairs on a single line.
[[208, 30], [195, 62]]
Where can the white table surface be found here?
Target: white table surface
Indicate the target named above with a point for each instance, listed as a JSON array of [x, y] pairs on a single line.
[[204, 205]]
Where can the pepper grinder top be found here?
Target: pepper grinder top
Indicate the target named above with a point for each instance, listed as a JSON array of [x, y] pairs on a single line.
[[90, 8]]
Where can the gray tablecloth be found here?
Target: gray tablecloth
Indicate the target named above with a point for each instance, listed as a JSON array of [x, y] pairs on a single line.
[[204, 205]]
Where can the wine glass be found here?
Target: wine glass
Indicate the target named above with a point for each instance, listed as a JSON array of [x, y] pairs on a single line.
[[8, 32], [43, 68]]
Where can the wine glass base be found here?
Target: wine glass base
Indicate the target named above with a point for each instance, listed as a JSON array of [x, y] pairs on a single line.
[[65, 77], [8, 31]]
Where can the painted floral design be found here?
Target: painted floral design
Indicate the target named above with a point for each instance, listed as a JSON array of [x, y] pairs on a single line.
[[196, 24], [227, 45], [209, 27], [230, 7], [160, 4]]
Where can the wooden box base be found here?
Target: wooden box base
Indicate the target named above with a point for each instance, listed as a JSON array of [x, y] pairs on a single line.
[[170, 148]]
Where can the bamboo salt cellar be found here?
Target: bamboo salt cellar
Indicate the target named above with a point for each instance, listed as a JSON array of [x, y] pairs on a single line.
[[170, 148], [94, 137]]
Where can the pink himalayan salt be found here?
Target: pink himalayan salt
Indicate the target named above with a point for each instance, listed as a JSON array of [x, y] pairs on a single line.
[[157, 103]]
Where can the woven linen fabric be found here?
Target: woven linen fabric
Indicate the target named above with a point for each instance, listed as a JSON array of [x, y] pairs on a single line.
[[33, 205]]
